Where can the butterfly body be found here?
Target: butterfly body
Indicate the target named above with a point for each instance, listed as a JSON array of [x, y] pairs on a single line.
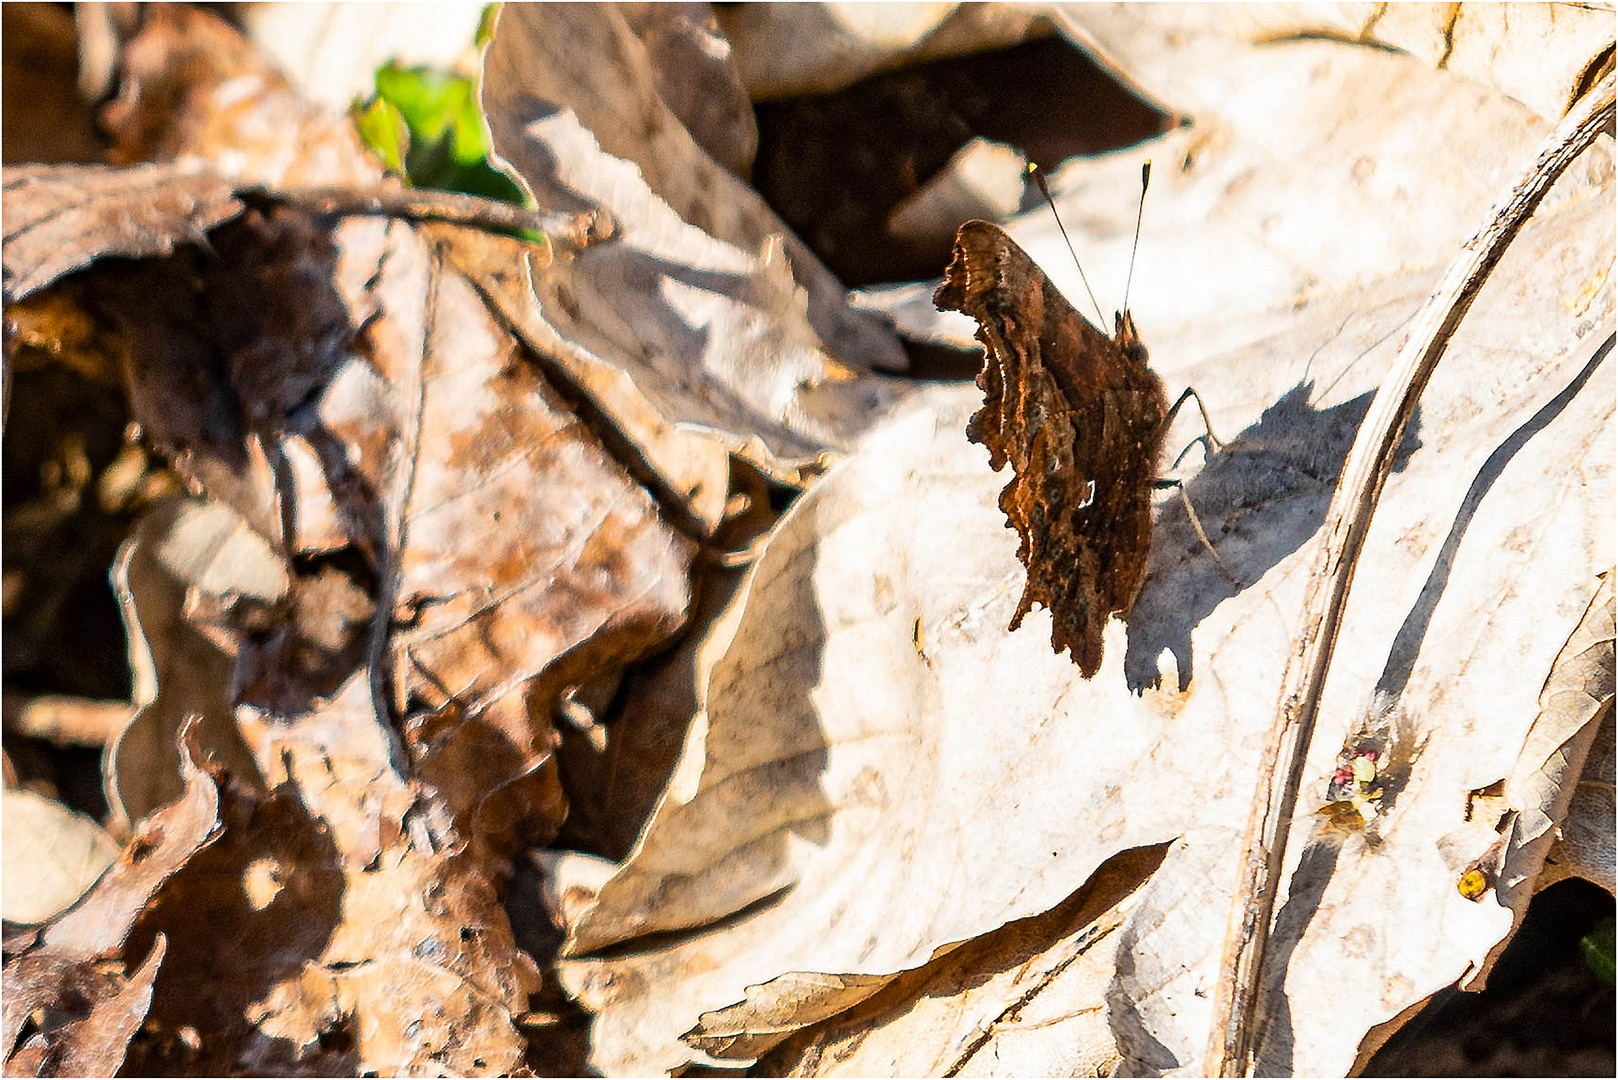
[[1080, 418]]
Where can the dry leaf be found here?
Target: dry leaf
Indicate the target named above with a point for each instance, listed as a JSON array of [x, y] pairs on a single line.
[[695, 75], [369, 938], [564, 86], [52, 855], [669, 326], [1584, 847], [60, 218], [1538, 53], [787, 50], [75, 970], [185, 556], [412, 546], [192, 85], [925, 777]]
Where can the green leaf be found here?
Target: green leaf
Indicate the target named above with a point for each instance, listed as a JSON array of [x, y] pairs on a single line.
[[384, 130], [1597, 947], [444, 147]]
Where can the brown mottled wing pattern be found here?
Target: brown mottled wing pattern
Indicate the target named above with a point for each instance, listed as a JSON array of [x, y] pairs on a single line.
[[1079, 417]]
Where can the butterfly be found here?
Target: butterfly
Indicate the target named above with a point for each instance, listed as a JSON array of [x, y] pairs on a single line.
[[1081, 419]]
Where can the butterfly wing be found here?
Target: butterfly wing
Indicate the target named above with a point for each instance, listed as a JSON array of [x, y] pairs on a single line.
[[1079, 417]]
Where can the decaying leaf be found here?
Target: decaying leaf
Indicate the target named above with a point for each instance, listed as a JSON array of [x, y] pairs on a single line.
[[565, 86], [60, 218], [685, 322], [370, 936], [898, 733], [74, 976]]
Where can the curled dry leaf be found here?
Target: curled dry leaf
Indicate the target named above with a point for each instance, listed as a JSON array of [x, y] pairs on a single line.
[[1546, 777], [75, 970], [185, 557], [1584, 847], [370, 937], [695, 76], [550, 70], [60, 218], [979, 1008], [895, 731], [106, 1006]]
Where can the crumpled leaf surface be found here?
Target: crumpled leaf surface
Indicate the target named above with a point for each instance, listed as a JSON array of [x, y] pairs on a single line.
[[412, 544], [587, 62], [60, 218], [931, 778], [364, 944], [696, 317], [76, 967]]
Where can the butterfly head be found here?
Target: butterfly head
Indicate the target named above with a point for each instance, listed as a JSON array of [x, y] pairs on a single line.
[[1127, 338]]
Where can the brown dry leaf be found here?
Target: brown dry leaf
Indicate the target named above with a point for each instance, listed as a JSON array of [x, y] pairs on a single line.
[[509, 536], [970, 1011], [369, 936], [691, 342], [60, 218], [882, 772], [106, 1007], [568, 89], [696, 77], [185, 558], [192, 85], [412, 546], [515, 547], [74, 973]]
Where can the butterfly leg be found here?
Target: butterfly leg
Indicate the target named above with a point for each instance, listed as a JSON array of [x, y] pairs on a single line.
[[1210, 441], [1196, 524]]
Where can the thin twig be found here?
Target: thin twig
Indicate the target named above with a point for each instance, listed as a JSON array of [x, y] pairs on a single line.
[[1230, 1044], [423, 204]]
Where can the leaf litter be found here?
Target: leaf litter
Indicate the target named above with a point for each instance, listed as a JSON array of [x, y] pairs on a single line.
[[448, 486]]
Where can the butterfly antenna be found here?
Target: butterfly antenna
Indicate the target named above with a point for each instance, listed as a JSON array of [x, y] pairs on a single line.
[[1145, 178], [1039, 178]]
